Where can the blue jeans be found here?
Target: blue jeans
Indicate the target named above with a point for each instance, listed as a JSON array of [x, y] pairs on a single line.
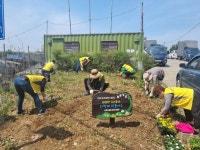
[[78, 66], [22, 85], [47, 74]]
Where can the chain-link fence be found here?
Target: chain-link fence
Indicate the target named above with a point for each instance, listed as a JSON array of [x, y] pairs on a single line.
[[10, 68]]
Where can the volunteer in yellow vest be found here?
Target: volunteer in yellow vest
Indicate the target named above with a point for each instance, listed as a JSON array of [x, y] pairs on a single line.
[[32, 84], [126, 71], [48, 69], [185, 98], [82, 63], [95, 82]]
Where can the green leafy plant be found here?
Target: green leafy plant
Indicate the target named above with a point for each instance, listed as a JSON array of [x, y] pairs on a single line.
[[194, 143], [173, 143], [8, 143]]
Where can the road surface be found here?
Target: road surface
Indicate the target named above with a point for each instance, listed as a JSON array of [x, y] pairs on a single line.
[[171, 69]]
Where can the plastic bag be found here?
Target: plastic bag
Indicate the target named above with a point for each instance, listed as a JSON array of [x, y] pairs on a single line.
[[184, 127]]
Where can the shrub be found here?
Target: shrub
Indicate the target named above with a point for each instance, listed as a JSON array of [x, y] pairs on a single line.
[[103, 61]]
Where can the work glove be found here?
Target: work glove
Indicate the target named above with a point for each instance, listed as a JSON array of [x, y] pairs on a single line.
[[45, 98], [159, 115], [91, 91], [81, 68]]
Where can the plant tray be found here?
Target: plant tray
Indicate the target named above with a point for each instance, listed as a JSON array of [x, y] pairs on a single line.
[[166, 126]]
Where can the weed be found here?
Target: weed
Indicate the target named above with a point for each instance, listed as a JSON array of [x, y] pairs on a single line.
[[8, 143]]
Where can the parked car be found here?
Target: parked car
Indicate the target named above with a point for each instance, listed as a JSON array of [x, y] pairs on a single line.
[[189, 53], [172, 55], [159, 54], [189, 74]]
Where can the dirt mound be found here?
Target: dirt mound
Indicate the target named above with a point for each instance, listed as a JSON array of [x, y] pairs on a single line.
[[69, 124]]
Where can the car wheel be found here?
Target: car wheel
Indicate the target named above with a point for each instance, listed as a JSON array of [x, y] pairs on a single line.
[[178, 83]]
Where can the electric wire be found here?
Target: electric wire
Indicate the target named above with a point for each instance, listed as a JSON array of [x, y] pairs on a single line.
[[185, 33]]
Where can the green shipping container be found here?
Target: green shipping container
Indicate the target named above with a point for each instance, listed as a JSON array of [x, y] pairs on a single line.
[[130, 42]]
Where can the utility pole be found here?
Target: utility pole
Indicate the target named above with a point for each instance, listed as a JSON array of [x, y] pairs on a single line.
[[90, 16], [5, 69], [29, 57], [47, 27], [140, 64], [69, 17], [46, 44], [111, 17], [21, 42], [142, 30]]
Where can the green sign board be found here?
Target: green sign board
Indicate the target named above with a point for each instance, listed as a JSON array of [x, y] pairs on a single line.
[[107, 105]]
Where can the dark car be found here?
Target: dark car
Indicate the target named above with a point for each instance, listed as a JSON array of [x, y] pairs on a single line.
[[159, 54], [189, 74], [189, 53]]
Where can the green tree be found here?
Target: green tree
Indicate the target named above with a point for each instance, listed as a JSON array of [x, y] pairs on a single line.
[[174, 47]]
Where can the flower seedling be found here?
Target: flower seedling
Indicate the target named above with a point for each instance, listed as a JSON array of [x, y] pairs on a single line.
[[166, 126]]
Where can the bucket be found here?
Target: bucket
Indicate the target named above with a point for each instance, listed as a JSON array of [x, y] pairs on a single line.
[[140, 66]]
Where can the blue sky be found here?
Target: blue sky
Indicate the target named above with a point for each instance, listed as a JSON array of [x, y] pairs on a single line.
[[165, 21]]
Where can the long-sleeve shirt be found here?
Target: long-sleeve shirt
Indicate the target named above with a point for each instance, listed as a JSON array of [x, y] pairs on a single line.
[[96, 84], [180, 97]]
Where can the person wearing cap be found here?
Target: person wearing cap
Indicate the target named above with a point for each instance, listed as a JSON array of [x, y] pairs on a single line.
[[82, 63], [126, 71], [48, 69], [185, 98], [154, 75], [31, 84], [95, 82]]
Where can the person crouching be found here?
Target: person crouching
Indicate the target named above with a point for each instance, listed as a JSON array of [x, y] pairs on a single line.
[[96, 82]]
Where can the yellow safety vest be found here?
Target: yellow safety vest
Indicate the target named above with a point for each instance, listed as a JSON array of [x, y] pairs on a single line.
[[48, 66], [128, 68], [82, 59], [183, 97], [35, 81]]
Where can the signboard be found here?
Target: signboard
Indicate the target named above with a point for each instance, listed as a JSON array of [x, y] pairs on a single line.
[[2, 29], [15, 56], [107, 105]]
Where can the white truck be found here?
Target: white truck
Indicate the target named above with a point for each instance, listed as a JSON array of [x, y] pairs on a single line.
[[182, 45], [148, 43]]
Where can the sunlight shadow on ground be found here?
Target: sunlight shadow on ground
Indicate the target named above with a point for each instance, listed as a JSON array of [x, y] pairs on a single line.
[[47, 104], [119, 124], [50, 131], [56, 133], [7, 118]]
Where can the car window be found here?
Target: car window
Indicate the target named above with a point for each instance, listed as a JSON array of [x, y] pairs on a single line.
[[198, 65], [195, 64], [157, 50], [193, 50]]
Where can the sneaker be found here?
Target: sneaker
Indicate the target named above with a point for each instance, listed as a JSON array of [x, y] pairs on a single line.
[[147, 92], [150, 95], [87, 93], [42, 111], [21, 112]]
